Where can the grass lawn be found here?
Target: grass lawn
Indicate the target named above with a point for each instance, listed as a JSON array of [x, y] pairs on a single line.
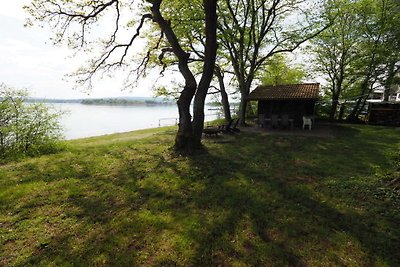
[[249, 200]]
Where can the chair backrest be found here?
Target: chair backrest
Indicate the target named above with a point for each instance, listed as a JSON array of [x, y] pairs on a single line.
[[307, 120]]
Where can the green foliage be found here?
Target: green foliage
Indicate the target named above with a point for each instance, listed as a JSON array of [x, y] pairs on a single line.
[[25, 128], [249, 200], [251, 32], [336, 48], [360, 51], [278, 71]]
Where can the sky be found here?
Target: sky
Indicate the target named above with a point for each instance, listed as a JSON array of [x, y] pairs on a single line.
[[29, 60]]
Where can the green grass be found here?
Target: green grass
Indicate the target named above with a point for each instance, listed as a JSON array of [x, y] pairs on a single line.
[[249, 200]]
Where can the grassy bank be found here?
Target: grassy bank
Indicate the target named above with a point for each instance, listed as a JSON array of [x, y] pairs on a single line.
[[251, 199]]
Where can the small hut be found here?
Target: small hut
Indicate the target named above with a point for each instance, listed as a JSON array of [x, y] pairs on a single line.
[[295, 100], [384, 113]]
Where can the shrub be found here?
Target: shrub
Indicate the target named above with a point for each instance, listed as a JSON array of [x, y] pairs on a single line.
[[26, 128]]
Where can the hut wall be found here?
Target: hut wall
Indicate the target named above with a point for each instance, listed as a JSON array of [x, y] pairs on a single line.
[[295, 109], [384, 114]]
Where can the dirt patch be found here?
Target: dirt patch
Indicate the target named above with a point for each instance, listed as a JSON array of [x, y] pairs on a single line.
[[322, 130]]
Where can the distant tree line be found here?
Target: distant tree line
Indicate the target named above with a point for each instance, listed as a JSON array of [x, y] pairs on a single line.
[[124, 102], [25, 129]]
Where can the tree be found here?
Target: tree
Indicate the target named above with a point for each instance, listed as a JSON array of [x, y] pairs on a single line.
[[277, 71], [388, 16], [379, 60], [219, 73], [336, 48], [359, 52], [73, 21], [249, 33], [192, 37], [253, 31], [25, 128]]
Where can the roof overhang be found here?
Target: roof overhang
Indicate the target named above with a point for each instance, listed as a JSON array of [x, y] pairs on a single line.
[[292, 92]]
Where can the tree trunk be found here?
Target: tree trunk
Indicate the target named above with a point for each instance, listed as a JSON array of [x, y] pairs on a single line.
[[341, 111], [2, 148], [225, 105], [367, 82], [244, 92], [336, 91], [224, 96], [364, 100], [189, 133], [242, 109], [244, 87], [335, 102], [184, 137], [389, 81], [210, 53], [356, 109]]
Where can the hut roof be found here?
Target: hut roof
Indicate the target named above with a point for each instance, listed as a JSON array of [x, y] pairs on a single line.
[[305, 91]]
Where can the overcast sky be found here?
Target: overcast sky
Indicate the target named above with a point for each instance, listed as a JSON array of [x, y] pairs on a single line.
[[29, 60]]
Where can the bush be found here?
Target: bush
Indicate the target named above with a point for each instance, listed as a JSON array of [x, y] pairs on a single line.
[[26, 129]]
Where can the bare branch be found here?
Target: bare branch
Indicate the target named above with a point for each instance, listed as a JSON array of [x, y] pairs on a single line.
[[101, 63]]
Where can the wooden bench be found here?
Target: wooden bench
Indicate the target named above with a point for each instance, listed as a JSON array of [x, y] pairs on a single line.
[[209, 131]]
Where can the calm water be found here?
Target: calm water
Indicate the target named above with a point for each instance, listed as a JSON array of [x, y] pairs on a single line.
[[90, 120]]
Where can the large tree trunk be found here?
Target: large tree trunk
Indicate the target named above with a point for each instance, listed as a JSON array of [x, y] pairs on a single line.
[[189, 133], [225, 105], [244, 92], [184, 137], [335, 102], [224, 96], [244, 87], [242, 109], [210, 53], [336, 91]]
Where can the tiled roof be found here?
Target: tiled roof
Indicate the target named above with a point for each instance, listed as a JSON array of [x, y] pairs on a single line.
[[309, 91]]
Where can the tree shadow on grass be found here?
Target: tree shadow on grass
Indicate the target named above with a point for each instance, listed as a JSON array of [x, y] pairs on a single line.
[[325, 221], [238, 203], [311, 221]]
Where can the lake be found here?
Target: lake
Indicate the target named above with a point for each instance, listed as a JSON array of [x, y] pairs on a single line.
[[93, 120]]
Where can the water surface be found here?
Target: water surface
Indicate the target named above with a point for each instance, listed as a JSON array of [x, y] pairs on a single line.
[[92, 120]]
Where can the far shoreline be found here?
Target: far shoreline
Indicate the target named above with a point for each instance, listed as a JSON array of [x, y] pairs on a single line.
[[117, 101]]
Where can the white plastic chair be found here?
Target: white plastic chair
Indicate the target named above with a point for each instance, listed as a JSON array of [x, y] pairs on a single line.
[[261, 120], [307, 122]]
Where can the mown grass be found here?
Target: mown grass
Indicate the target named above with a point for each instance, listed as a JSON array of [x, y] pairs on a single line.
[[249, 200]]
